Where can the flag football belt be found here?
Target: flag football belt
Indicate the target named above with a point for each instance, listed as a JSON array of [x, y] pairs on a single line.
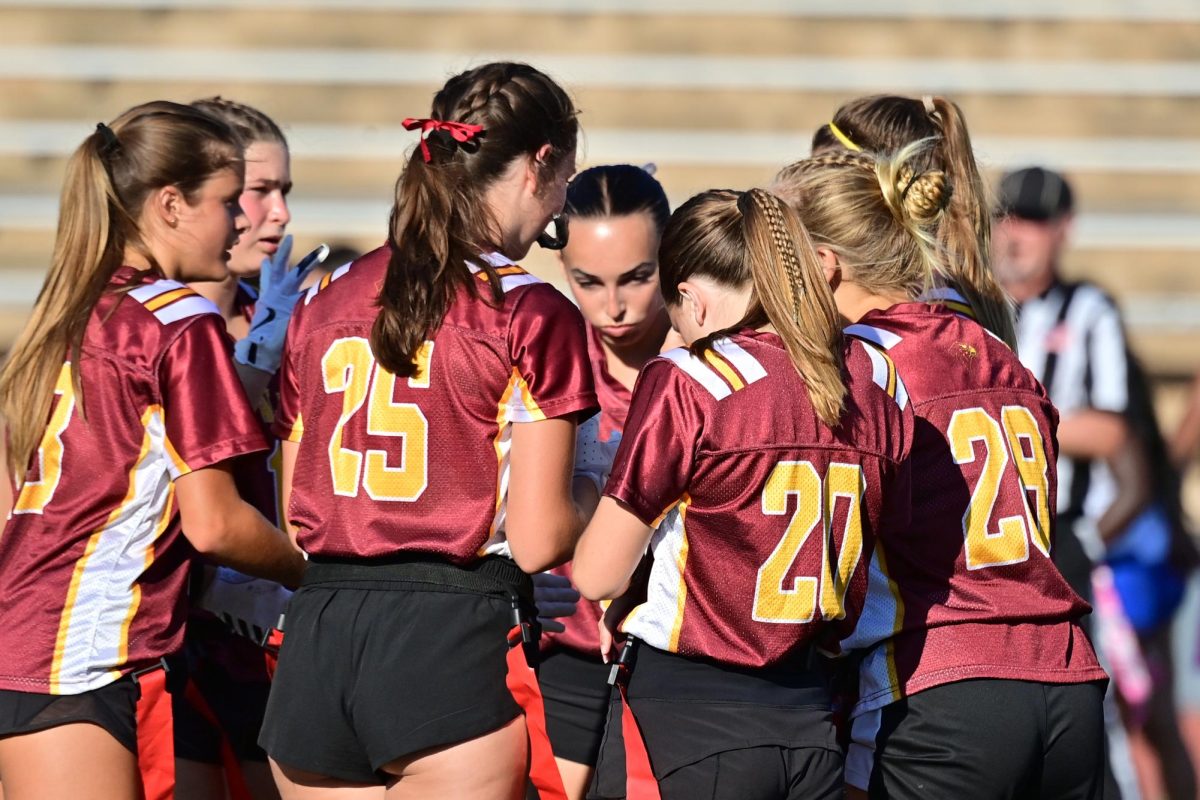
[[640, 783], [155, 732], [494, 576]]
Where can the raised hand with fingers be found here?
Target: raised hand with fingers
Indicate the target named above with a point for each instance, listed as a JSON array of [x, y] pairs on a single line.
[[279, 289]]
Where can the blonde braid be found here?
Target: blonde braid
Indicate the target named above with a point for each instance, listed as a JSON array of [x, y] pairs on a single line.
[[784, 245]]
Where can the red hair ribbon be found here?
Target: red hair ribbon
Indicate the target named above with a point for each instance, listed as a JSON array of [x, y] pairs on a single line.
[[461, 131]]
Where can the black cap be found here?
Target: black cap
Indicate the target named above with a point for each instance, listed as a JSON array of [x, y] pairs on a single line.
[[1034, 193]]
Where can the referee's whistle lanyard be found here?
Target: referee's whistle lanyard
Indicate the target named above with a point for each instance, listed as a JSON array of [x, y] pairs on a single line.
[[640, 783], [522, 683]]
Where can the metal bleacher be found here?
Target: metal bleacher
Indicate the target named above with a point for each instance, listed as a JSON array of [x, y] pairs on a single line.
[[716, 92]]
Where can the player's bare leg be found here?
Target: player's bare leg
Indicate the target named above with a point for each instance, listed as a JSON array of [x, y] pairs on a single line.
[[496, 768], [576, 777], [33, 767]]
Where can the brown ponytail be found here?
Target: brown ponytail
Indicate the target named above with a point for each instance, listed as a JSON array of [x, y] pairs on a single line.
[[440, 220], [886, 124], [108, 180], [739, 237]]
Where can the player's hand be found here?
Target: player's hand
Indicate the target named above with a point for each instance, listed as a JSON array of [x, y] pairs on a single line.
[[594, 458], [555, 597], [609, 628], [279, 289]]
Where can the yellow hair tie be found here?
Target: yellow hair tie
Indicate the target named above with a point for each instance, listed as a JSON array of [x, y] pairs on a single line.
[[846, 141]]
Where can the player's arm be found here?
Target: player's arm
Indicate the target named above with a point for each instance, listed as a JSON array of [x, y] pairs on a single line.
[[288, 451], [609, 551], [546, 509], [222, 526]]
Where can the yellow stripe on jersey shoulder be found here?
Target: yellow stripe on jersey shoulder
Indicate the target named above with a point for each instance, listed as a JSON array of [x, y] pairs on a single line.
[[510, 273], [885, 375], [323, 284], [724, 368], [170, 301]]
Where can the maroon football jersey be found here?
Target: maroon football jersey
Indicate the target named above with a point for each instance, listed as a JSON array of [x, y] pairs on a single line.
[[91, 560], [582, 629], [765, 518], [420, 464], [968, 590]]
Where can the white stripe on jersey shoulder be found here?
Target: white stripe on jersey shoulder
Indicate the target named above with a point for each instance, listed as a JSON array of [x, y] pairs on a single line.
[[943, 294], [316, 288], [701, 372], [516, 274], [745, 363], [170, 301], [885, 339], [885, 374]]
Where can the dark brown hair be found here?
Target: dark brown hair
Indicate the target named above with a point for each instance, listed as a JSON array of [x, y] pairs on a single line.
[[108, 181], [440, 220], [886, 124], [738, 237], [618, 190]]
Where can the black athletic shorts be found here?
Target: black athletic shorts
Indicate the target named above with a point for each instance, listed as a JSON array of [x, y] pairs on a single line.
[[112, 707], [575, 691], [713, 731], [374, 668], [983, 739]]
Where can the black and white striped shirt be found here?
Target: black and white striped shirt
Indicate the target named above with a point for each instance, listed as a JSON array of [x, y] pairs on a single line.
[[1073, 340]]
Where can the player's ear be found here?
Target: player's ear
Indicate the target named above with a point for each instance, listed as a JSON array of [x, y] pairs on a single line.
[[533, 168], [831, 266], [694, 301]]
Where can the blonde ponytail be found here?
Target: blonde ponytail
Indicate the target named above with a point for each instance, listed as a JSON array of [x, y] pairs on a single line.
[[966, 232], [735, 238], [108, 179], [886, 124], [790, 285]]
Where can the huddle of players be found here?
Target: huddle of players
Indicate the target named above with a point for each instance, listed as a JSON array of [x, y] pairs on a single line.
[[846, 458]]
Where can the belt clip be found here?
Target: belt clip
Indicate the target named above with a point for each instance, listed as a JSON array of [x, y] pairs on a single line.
[[162, 664], [529, 636], [619, 673]]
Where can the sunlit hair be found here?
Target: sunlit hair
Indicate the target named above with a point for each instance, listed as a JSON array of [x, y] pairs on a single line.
[[879, 214], [735, 238], [440, 219], [106, 187], [887, 124], [250, 124]]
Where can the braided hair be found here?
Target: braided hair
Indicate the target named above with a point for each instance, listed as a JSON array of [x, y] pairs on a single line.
[[735, 238], [440, 220], [880, 215]]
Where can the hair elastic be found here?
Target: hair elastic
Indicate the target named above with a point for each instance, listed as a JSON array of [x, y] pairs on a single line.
[[930, 108], [846, 141], [459, 131], [110, 144]]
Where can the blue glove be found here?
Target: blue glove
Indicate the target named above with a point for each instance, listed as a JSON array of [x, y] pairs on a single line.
[[278, 291], [594, 458], [555, 597]]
